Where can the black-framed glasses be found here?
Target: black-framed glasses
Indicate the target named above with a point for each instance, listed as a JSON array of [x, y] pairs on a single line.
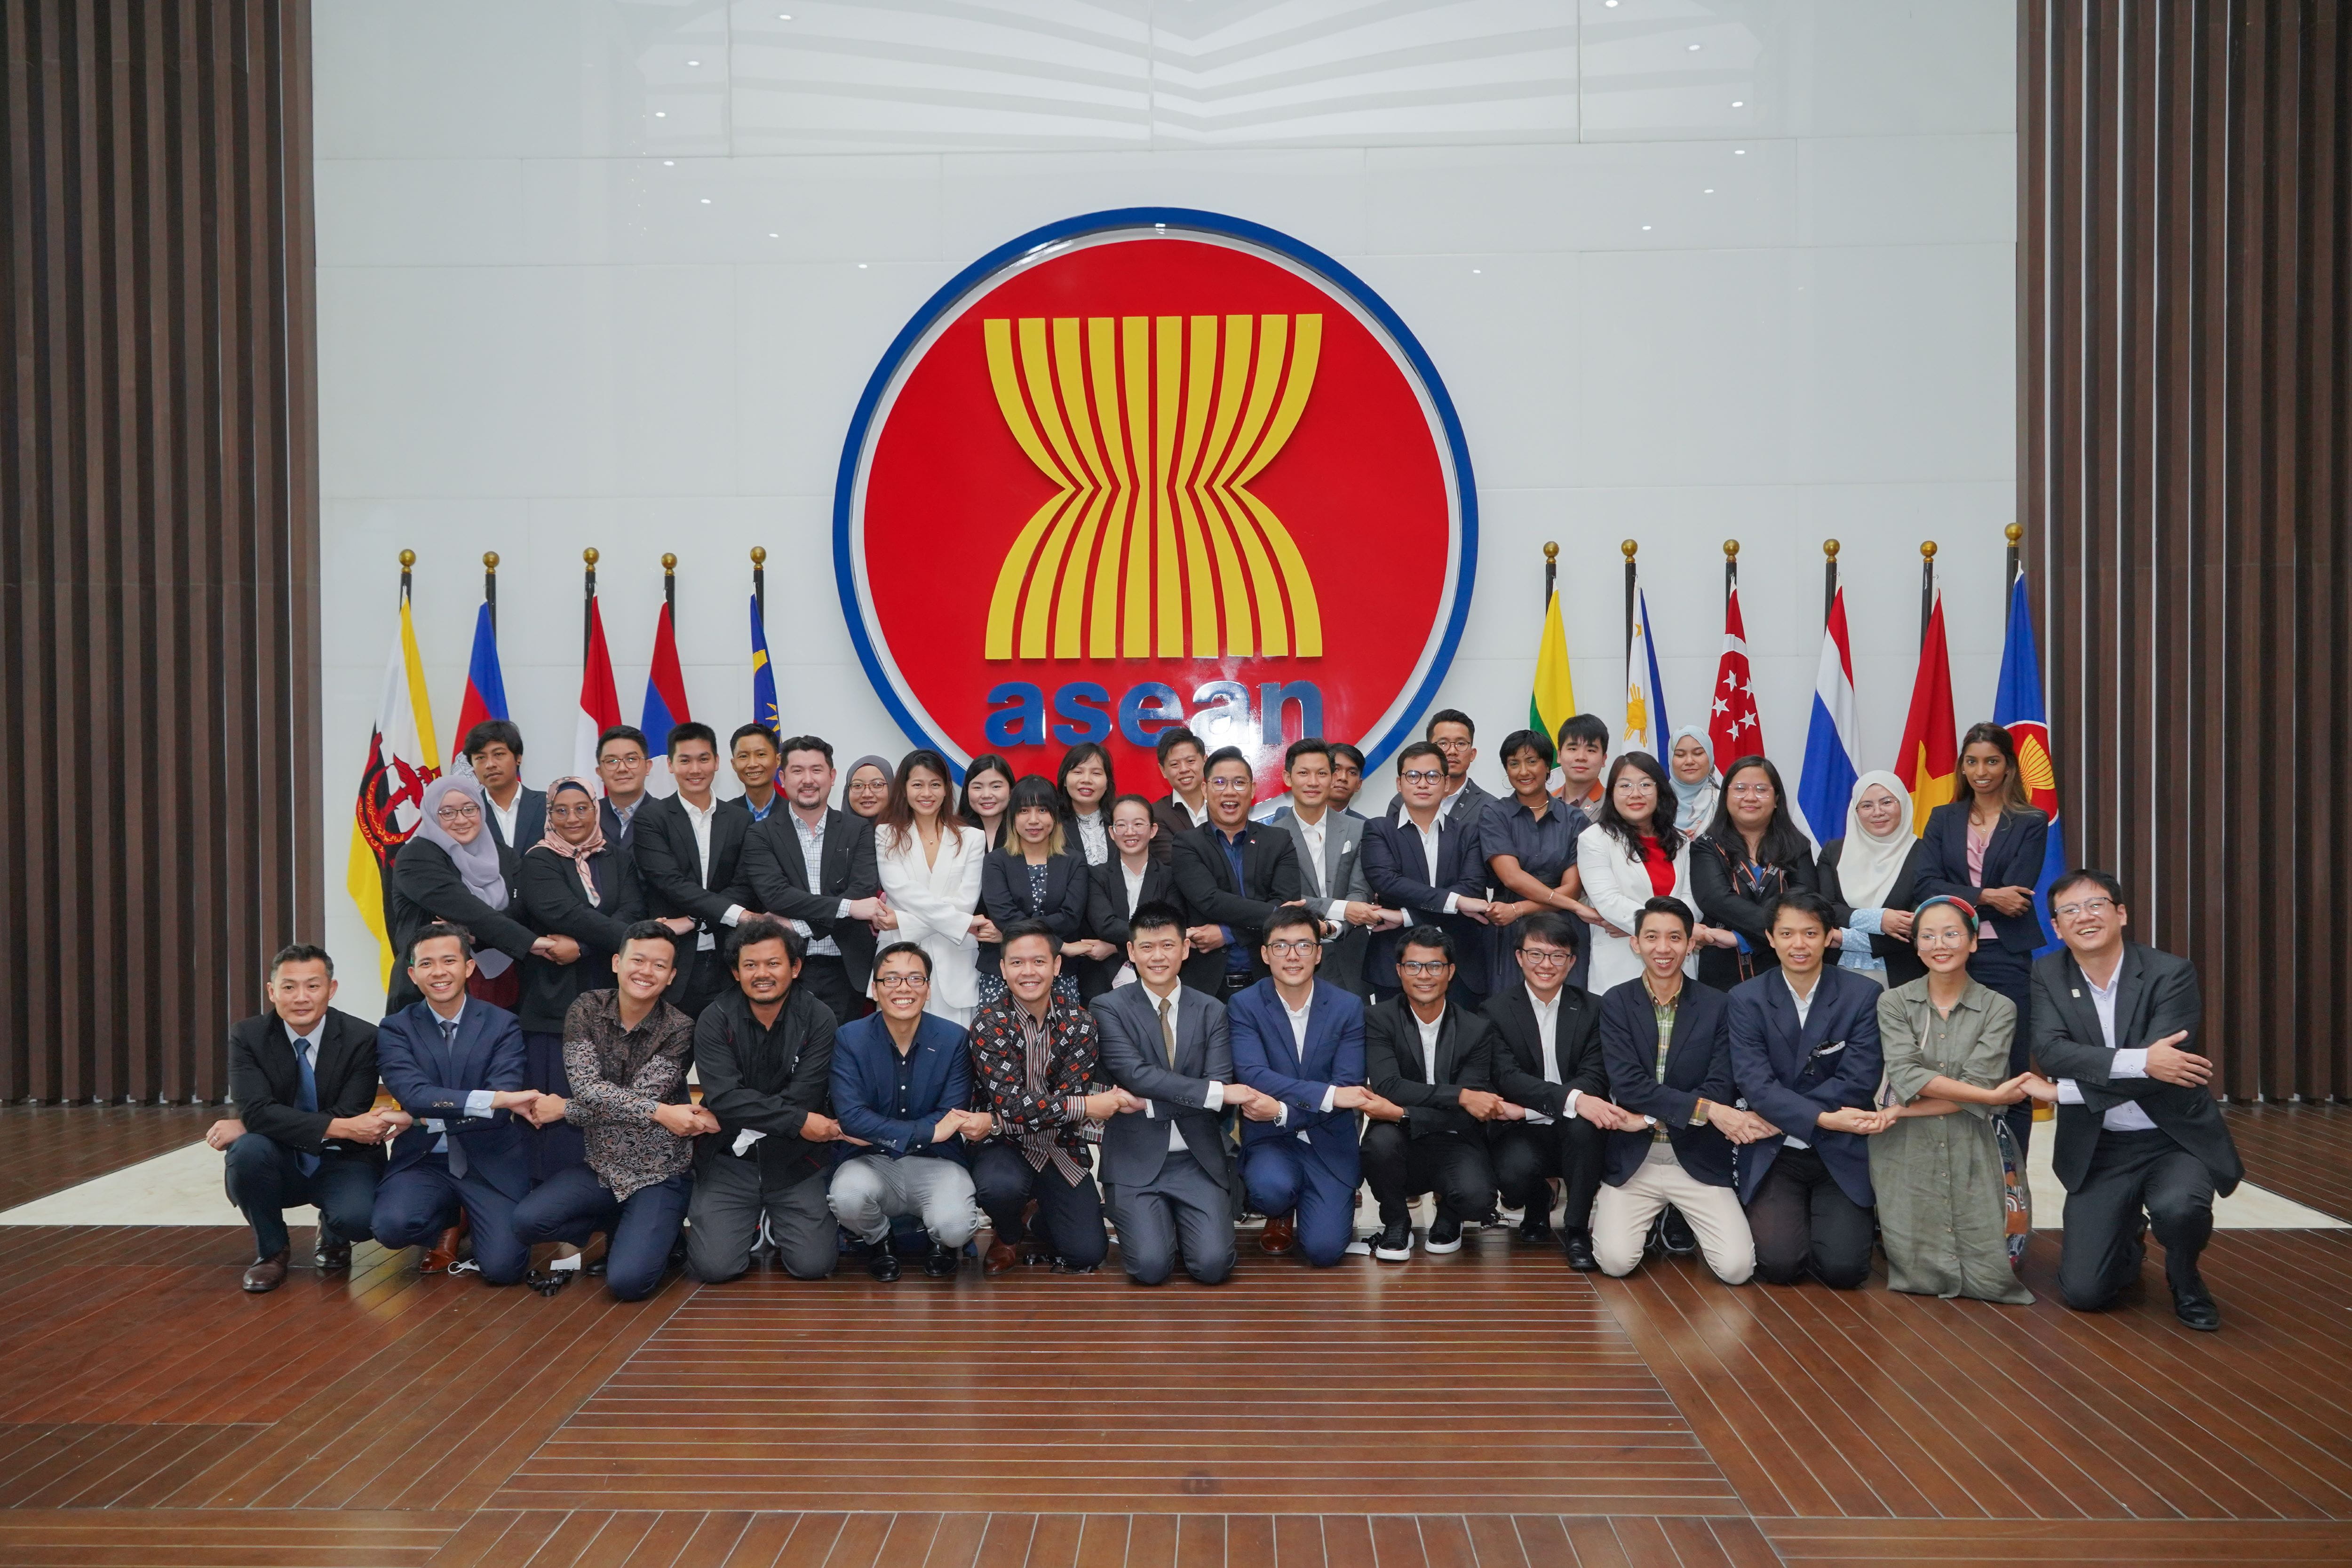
[[1425, 965]]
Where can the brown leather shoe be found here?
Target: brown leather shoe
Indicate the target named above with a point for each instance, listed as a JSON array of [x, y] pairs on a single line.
[[446, 1249], [1281, 1231], [1000, 1258], [267, 1274]]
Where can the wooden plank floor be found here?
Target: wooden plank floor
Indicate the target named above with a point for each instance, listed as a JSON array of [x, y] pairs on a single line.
[[1490, 1408]]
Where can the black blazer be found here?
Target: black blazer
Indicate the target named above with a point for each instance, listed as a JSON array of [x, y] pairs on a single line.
[[2011, 859], [1107, 906], [1175, 820], [1698, 1067], [530, 819], [426, 888], [1393, 1071], [1398, 873], [1721, 904], [266, 1082], [1519, 1049], [2156, 995], [766, 1082], [1005, 897], [670, 867], [1901, 959], [558, 905], [1205, 885], [775, 873]]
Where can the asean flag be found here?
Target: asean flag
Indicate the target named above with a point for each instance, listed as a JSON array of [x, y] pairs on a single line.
[[1929, 762], [665, 703], [2018, 708]]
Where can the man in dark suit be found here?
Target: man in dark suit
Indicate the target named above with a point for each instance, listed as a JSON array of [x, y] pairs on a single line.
[[1805, 1053], [456, 1065], [623, 760], [1460, 796], [1166, 1170], [1231, 873], [1330, 844], [1665, 1041], [1182, 762], [689, 851], [518, 814], [2117, 1024], [303, 1076], [1431, 865], [1547, 1060], [1436, 1062], [814, 866]]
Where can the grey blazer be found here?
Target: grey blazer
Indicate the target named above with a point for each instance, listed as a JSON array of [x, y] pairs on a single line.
[[1135, 1145], [1338, 875]]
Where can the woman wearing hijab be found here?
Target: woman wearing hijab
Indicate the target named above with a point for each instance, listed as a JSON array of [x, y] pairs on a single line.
[[1868, 875], [1690, 757], [865, 787], [1943, 1204], [1750, 854], [573, 885], [454, 869]]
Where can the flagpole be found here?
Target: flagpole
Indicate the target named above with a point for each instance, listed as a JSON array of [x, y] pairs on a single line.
[[1551, 570], [1730, 568], [760, 579], [491, 586], [1629, 547], [669, 586], [2015, 535], [1829, 579], [1926, 587], [407, 560], [588, 606]]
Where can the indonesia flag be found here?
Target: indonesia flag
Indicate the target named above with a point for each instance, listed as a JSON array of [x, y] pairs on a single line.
[[1731, 722], [486, 688], [1826, 786], [600, 702], [665, 703]]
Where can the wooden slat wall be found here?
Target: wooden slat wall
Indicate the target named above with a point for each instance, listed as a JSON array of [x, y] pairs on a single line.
[[158, 574], [2185, 380]]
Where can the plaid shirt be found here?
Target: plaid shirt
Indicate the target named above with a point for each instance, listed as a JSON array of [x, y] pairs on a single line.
[[618, 1076], [1034, 1077]]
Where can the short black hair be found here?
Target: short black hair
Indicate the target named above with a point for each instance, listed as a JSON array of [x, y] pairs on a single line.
[[2106, 882], [1312, 746], [1224, 754], [1551, 926], [1534, 741], [1171, 739], [910, 949], [765, 928], [1589, 727], [1155, 916], [623, 733], [298, 953], [1448, 716], [692, 729], [816, 743], [1343, 752], [493, 732], [651, 930], [746, 731], [1417, 748], [1437, 937], [1805, 901], [1673, 909], [1287, 915], [434, 930], [1020, 929]]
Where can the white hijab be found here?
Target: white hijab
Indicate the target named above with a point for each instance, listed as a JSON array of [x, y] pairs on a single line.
[[1869, 865]]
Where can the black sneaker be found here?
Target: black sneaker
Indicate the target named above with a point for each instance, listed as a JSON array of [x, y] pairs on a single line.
[[942, 1261], [1394, 1243], [1674, 1233], [882, 1263], [1445, 1234]]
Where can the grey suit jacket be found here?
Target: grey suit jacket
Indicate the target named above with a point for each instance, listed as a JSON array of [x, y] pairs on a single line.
[[1338, 875], [1135, 1145]]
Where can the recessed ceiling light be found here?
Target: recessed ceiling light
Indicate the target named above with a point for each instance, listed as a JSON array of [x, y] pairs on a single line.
[[1693, 48], [661, 114], [669, 163], [694, 62], [1645, 228], [775, 237], [1709, 191], [1739, 152], [861, 267], [1738, 103], [1611, 3], [706, 201], [1474, 272]]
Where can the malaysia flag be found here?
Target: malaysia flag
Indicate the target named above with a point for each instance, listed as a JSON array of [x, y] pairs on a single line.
[[1825, 788], [1732, 722]]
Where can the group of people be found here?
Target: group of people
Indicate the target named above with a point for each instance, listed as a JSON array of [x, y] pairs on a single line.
[[1628, 993]]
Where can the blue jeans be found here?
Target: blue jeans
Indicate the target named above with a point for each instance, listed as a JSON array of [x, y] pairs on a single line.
[[265, 1181], [639, 1230]]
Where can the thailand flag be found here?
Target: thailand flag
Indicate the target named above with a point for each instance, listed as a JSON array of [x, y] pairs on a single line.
[[2018, 708], [1825, 787], [486, 688], [600, 701], [665, 703]]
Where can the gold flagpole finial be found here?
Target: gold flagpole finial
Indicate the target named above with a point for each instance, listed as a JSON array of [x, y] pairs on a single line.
[[1830, 548], [759, 555], [589, 556], [1552, 549], [2013, 532], [489, 560], [407, 559], [1927, 550], [669, 562], [1731, 548], [1629, 547]]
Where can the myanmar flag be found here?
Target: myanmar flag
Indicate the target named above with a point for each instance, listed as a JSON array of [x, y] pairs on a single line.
[[401, 759], [1929, 763], [1553, 703]]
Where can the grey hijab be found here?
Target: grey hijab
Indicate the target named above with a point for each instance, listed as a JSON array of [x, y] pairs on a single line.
[[476, 863]]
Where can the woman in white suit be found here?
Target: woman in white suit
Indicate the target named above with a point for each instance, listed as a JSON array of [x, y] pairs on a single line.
[[931, 867], [1631, 854]]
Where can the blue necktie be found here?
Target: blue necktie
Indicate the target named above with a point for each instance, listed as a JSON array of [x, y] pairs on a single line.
[[307, 1098], [448, 1049]]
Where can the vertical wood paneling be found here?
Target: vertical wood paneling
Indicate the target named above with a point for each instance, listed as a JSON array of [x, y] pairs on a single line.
[[159, 815], [2184, 380]]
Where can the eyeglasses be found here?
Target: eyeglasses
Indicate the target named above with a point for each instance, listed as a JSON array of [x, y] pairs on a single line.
[[1545, 957], [457, 812], [1948, 936], [622, 760], [1229, 785], [1291, 946], [1425, 966], [901, 982], [566, 813], [2086, 907], [1421, 776], [1756, 786]]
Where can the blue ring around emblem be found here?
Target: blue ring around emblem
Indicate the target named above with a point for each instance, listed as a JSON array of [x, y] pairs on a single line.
[[1330, 270]]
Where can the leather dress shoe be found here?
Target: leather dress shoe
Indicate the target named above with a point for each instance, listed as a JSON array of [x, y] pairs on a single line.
[[329, 1254], [444, 1252], [882, 1263], [1280, 1233], [999, 1257], [266, 1274], [1578, 1245], [1534, 1228], [2191, 1303], [942, 1260]]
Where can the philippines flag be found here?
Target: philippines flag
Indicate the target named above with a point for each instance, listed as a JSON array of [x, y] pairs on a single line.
[[600, 701], [1645, 701], [763, 676], [1825, 787], [486, 688], [665, 703], [2018, 708], [1732, 722]]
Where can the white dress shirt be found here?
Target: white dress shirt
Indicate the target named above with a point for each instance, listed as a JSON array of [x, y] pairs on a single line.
[[1298, 1043], [1429, 838], [478, 1100], [1313, 832], [1175, 1004], [699, 818], [1429, 1032], [506, 816], [2127, 1117], [1805, 1001], [1548, 1031]]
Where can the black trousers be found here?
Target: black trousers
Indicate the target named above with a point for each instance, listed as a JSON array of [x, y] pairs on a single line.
[[1803, 1223], [266, 1179], [640, 1230], [1526, 1156], [827, 979], [1401, 1168], [1069, 1215], [702, 976], [2132, 1171], [2010, 975], [558, 1146]]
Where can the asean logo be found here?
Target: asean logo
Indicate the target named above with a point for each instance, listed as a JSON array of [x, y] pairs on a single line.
[[1151, 468]]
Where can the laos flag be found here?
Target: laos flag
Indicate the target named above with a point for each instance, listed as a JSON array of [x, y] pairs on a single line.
[[2018, 708]]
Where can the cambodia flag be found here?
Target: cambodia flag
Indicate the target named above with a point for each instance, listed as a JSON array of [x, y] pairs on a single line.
[[1825, 787], [486, 688], [2018, 708], [1732, 722], [664, 703], [600, 702]]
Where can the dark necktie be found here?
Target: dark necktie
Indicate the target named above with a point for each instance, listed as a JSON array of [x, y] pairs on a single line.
[[1168, 1029], [306, 1099], [449, 1050]]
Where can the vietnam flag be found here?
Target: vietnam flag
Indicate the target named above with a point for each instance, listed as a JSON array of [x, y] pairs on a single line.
[[1929, 763]]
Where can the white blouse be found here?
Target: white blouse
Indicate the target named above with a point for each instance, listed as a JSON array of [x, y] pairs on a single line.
[[1617, 885], [934, 903]]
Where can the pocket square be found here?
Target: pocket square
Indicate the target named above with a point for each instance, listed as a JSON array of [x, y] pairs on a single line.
[[1830, 1049]]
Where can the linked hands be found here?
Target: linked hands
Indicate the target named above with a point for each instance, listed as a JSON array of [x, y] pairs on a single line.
[[818, 1128], [1854, 1119], [1740, 1126], [679, 1120], [1356, 1097], [1488, 1107]]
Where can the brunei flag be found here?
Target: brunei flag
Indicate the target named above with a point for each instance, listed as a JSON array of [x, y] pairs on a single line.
[[1553, 703], [401, 759], [1929, 763], [2018, 708]]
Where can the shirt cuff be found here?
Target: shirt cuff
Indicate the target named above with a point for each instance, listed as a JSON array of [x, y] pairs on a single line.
[[1330, 1093], [1574, 1096], [843, 912], [734, 913], [1453, 901], [2069, 1091], [1869, 923], [801, 927], [1229, 934], [1216, 1100], [1336, 911], [2129, 1064], [1281, 1114], [477, 1102]]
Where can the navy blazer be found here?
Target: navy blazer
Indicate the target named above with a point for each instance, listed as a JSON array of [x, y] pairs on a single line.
[[1397, 871], [431, 1082], [1005, 897], [1698, 1067], [1790, 1074], [866, 1085], [530, 819], [1267, 1059], [2012, 858]]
